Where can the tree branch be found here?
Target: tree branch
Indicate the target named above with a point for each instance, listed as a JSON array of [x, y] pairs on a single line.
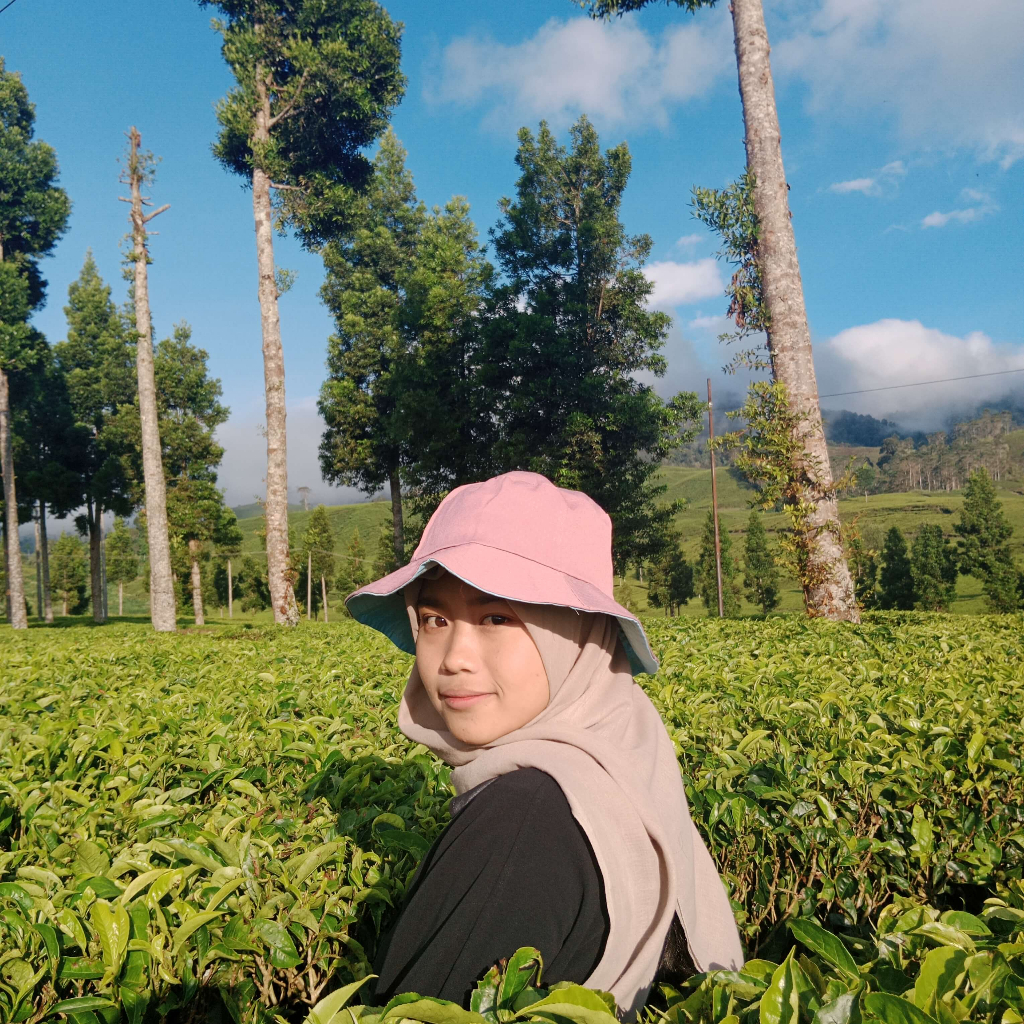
[[155, 213], [286, 188], [290, 108]]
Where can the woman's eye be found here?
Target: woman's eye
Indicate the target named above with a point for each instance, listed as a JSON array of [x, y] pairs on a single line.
[[497, 620], [432, 621]]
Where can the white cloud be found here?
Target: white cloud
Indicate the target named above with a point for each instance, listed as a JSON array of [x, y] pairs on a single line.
[[614, 72], [891, 351], [966, 215], [244, 468], [950, 72], [688, 242], [712, 324], [887, 177], [866, 185], [676, 284]]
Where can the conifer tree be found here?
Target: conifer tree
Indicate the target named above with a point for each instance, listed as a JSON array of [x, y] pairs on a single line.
[[385, 561], [316, 84], [707, 576], [896, 578], [984, 548], [352, 571], [367, 271], [69, 571], [98, 363], [317, 550], [934, 567], [760, 573], [670, 581], [33, 215], [864, 570], [122, 559]]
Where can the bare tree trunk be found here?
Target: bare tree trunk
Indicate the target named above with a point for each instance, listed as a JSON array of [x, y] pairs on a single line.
[[103, 570], [120, 598], [161, 578], [45, 548], [15, 576], [230, 591], [282, 594], [94, 515], [65, 605], [396, 517], [197, 583], [829, 590], [39, 573], [309, 585], [323, 592]]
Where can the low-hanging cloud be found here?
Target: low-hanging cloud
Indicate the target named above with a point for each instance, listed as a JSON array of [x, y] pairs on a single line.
[[615, 72], [890, 352], [952, 73], [677, 284], [243, 471]]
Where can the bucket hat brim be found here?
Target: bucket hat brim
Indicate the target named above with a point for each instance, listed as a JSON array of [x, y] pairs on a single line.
[[381, 604]]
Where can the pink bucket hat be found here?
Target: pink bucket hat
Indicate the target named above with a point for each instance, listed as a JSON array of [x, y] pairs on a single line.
[[520, 537]]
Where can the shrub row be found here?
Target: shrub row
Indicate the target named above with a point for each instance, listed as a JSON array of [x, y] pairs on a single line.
[[218, 826]]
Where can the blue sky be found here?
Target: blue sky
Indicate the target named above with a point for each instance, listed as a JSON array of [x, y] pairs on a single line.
[[903, 137]]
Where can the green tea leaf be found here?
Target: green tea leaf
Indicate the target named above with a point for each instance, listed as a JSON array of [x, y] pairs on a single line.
[[825, 944]]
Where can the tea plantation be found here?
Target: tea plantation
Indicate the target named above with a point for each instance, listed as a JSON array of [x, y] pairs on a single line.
[[217, 826]]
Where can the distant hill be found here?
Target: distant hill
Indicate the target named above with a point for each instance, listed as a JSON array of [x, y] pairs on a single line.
[[254, 508]]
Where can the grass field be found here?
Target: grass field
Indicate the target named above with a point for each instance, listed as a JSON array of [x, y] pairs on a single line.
[[909, 510]]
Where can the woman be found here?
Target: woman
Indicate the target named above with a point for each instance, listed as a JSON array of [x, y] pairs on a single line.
[[570, 831]]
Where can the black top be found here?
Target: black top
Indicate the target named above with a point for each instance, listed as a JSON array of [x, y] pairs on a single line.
[[513, 868]]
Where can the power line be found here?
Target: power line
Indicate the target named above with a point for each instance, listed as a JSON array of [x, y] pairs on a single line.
[[921, 383], [5, 6]]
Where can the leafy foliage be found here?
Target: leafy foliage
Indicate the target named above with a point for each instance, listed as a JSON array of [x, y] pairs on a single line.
[[760, 573], [219, 825], [896, 577], [707, 571], [934, 568], [984, 551]]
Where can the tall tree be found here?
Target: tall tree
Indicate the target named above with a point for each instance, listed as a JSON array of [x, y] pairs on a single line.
[[97, 361], [352, 574], [670, 581], [934, 568], [50, 448], [864, 569], [316, 83], [122, 559], [445, 411], [34, 213], [367, 271], [707, 573], [789, 340], [570, 335], [317, 562], [139, 172], [984, 543], [760, 573], [896, 577], [69, 571]]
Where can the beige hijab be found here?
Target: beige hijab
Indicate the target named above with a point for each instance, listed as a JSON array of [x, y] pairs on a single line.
[[605, 745]]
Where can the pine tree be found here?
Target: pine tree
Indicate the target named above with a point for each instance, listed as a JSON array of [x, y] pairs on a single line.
[[864, 569], [670, 581], [761, 574], [122, 559], [934, 567], [317, 549], [896, 576], [69, 571], [707, 576], [385, 561], [33, 215], [983, 548], [253, 586], [353, 571]]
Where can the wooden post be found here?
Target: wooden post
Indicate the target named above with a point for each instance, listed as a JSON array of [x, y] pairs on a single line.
[[120, 598], [714, 502], [323, 590], [39, 569], [309, 586], [230, 588]]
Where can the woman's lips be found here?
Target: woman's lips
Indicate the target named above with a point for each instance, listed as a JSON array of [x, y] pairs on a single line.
[[458, 701]]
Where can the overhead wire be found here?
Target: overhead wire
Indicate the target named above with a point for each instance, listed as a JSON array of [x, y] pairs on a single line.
[[922, 383]]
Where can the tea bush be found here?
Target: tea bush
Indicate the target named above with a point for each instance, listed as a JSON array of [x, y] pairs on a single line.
[[218, 825]]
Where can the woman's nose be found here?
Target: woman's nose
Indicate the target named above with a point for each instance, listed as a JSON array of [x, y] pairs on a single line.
[[462, 653]]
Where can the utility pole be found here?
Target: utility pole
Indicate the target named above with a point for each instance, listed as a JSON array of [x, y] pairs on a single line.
[[309, 586], [231, 587], [714, 502]]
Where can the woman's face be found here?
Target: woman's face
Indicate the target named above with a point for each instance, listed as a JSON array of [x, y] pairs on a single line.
[[479, 665]]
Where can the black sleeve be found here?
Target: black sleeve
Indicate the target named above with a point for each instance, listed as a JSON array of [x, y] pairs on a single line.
[[512, 869]]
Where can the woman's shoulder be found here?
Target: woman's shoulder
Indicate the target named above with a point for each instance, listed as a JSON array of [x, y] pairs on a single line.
[[526, 792]]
